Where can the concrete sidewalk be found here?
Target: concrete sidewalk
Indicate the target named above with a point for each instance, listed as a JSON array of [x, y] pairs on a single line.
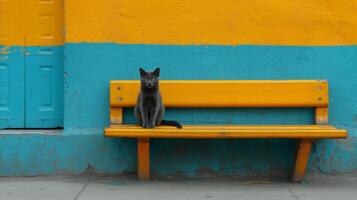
[[87, 187]]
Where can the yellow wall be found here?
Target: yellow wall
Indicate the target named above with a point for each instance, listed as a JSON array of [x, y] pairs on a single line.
[[31, 22], [267, 22]]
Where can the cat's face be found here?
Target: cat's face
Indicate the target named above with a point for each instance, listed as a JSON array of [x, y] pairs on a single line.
[[149, 79]]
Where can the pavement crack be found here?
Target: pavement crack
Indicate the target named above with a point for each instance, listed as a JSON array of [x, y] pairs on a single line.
[[80, 192], [293, 194]]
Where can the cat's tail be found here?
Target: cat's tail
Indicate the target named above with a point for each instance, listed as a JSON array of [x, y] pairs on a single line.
[[171, 123]]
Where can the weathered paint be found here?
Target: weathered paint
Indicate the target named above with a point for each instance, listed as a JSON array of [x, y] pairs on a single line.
[[231, 22], [40, 154]]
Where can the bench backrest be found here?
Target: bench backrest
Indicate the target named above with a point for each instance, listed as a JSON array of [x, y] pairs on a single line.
[[227, 93]]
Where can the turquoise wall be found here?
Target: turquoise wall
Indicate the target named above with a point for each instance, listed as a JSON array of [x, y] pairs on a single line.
[[88, 68]]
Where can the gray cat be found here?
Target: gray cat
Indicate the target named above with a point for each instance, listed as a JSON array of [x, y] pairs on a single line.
[[149, 108]]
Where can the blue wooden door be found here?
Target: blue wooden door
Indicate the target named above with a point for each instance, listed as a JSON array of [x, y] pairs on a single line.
[[44, 87], [31, 87]]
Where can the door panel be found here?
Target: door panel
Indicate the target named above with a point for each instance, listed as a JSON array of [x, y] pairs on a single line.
[[44, 87], [45, 18]]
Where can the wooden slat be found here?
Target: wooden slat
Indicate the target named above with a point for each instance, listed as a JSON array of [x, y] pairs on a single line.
[[116, 115], [194, 93], [321, 115], [229, 132], [239, 127]]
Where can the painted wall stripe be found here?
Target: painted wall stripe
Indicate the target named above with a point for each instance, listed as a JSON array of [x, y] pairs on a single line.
[[227, 22]]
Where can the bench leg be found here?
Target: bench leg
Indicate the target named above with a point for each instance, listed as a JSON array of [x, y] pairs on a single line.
[[143, 159], [302, 157]]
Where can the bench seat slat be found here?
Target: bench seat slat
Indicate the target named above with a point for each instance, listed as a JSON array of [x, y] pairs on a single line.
[[221, 131], [134, 126]]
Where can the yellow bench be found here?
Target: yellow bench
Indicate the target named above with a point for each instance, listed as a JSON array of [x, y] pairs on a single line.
[[218, 94]]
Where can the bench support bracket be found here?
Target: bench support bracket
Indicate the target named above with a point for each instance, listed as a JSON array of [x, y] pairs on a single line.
[[143, 159], [302, 158]]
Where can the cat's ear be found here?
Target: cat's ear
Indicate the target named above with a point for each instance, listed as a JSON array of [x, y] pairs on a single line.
[[142, 72], [157, 72]]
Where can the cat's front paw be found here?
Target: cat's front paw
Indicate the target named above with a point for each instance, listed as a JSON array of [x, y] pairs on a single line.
[[151, 126], [148, 125], [145, 125]]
